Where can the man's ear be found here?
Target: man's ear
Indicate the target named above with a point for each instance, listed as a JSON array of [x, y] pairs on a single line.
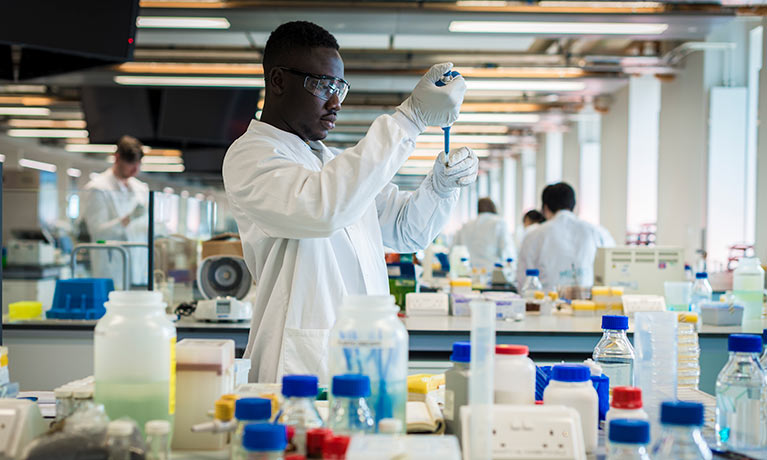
[[276, 81]]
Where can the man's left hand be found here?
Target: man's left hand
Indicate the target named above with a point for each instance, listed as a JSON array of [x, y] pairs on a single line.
[[460, 171]]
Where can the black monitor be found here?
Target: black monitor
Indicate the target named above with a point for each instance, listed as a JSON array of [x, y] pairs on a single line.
[[112, 111]]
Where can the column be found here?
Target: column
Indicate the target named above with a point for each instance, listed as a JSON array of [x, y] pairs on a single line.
[[761, 158], [553, 173], [540, 167], [614, 166], [571, 157], [508, 192]]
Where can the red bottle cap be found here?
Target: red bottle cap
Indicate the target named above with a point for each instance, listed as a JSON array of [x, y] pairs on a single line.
[[315, 440], [627, 398], [290, 431], [512, 350], [294, 457], [335, 447]]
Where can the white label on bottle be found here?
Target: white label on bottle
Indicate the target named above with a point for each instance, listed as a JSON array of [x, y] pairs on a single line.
[[449, 411], [363, 343]]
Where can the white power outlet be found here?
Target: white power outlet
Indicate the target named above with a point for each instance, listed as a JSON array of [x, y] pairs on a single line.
[[531, 433]]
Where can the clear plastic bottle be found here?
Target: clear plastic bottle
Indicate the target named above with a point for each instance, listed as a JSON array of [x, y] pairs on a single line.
[[614, 352], [264, 441], [763, 361], [464, 269], [628, 439], [514, 375], [350, 413], [701, 292], [298, 410], [119, 439], [681, 438], [64, 402], [532, 283], [157, 439], [246, 411], [741, 391], [688, 351], [748, 287]]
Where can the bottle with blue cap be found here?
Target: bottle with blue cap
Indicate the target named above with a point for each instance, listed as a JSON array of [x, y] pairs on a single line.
[[571, 386], [681, 438], [741, 392], [628, 439], [350, 412], [298, 410], [457, 387], [247, 411], [614, 352], [532, 283], [701, 292], [264, 441]]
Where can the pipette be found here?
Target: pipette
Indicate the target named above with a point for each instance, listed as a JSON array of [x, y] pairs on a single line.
[[446, 78]]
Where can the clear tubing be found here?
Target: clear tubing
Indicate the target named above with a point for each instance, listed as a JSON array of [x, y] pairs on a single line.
[[481, 379]]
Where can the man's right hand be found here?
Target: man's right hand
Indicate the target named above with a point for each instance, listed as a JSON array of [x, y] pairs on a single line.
[[432, 105]]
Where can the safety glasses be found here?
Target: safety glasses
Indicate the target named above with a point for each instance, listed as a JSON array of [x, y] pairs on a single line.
[[322, 86]]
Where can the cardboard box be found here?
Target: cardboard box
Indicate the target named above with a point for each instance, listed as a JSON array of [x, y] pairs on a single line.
[[225, 244]]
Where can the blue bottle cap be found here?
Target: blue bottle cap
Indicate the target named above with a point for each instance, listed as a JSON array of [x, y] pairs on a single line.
[[701, 276], [464, 259], [532, 272], [630, 431], [461, 352], [253, 409], [498, 265], [571, 373], [681, 413], [744, 343], [764, 336], [509, 260], [299, 385], [351, 386], [615, 322], [262, 437]]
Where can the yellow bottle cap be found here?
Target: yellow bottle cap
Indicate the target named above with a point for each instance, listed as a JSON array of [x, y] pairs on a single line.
[[687, 317], [229, 397], [538, 295], [224, 410], [554, 295], [616, 291], [583, 305], [600, 290]]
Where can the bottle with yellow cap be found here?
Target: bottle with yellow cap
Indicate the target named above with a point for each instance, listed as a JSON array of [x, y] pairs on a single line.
[[688, 351]]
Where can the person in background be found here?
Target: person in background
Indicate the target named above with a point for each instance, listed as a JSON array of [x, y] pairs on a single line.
[[564, 247], [530, 221], [116, 210], [487, 237], [313, 220]]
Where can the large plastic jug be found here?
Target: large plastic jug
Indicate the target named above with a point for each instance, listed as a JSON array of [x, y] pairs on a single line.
[[135, 358], [748, 287]]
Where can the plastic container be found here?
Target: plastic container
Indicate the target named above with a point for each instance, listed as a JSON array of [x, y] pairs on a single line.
[[315, 440], [614, 352], [81, 298], [204, 371], [350, 413], [688, 351], [457, 387], [157, 440], [135, 358], [748, 287], [511, 309], [25, 310], [741, 394], [64, 402], [701, 292], [457, 268], [481, 379], [298, 410], [532, 283], [678, 295], [681, 439], [459, 303], [628, 439], [514, 375], [460, 286], [246, 411], [583, 308], [626, 404], [264, 441], [119, 442], [570, 385], [335, 447], [721, 314], [368, 338]]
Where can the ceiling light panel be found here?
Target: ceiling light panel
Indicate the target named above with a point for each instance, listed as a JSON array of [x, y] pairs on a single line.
[[524, 118], [558, 28], [22, 123], [524, 85], [464, 43], [26, 111], [49, 133], [178, 22], [149, 80]]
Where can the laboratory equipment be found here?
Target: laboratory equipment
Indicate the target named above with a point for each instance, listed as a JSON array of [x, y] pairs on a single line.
[[721, 314], [369, 339], [614, 352], [678, 295], [387, 447], [223, 420], [741, 393], [298, 410], [548, 432], [682, 439], [509, 307], [601, 384], [626, 404], [446, 78], [571, 386], [135, 356], [647, 303], [481, 380], [20, 423], [628, 440], [109, 248], [241, 371], [80, 298], [350, 413], [701, 292], [748, 287], [264, 441], [688, 351], [64, 402], [532, 283], [457, 387], [25, 310], [460, 286], [246, 411], [639, 269], [157, 440], [460, 303], [426, 303], [514, 375], [119, 433], [30, 252], [583, 307], [224, 282]]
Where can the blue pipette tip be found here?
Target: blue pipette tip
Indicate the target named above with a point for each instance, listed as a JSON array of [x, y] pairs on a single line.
[[447, 76]]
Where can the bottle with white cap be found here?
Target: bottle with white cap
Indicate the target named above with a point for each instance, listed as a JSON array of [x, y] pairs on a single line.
[[571, 386], [157, 439], [119, 434], [514, 375], [64, 402], [82, 399]]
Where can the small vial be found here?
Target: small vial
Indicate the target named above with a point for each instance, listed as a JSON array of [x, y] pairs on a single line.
[[629, 439], [350, 412], [63, 402], [246, 411], [119, 434], [264, 441], [157, 439], [82, 399]]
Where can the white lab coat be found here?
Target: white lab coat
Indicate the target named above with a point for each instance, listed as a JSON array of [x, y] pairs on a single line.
[[489, 241], [107, 201], [523, 231], [313, 224], [563, 248]]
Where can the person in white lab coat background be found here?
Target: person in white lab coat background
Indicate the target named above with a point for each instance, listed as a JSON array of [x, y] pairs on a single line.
[[530, 221], [116, 209], [313, 220], [487, 237], [564, 247]]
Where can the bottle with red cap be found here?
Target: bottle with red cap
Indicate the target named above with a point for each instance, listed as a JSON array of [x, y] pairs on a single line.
[[514, 375], [626, 404], [335, 447]]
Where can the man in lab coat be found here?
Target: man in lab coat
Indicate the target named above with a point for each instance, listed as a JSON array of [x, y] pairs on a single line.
[[115, 210], [564, 247], [487, 237], [314, 221]]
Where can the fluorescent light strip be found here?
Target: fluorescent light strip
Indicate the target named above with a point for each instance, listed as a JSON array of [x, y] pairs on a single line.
[[39, 165], [559, 28], [74, 172], [147, 80], [498, 118], [154, 160], [467, 129], [30, 111], [191, 68], [21, 123], [52, 133], [163, 168], [525, 85], [600, 4], [91, 148], [179, 22]]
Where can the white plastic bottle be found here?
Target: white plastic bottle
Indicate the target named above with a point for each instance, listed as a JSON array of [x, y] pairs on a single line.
[[628, 439], [701, 292], [456, 388], [135, 358], [681, 439], [626, 403], [571, 386], [614, 352], [748, 287], [514, 375], [532, 283]]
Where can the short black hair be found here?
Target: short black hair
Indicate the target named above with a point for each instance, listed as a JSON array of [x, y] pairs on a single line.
[[292, 36], [486, 205], [534, 216], [129, 149], [559, 196]]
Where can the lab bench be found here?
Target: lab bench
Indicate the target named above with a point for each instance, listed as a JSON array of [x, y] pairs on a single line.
[[48, 353]]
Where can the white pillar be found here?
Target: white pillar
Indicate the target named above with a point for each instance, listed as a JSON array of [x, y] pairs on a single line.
[[614, 166], [761, 160], [540, 167], [571, 157], [553, 172], [589, 167], [509, 192], [529, 173]]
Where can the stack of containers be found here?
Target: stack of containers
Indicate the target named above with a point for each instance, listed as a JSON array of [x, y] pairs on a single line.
[[583, 308], [688, 349], [600, 295], [615, 304]]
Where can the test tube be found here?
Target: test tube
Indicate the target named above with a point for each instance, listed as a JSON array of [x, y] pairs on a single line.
[[481, 379]]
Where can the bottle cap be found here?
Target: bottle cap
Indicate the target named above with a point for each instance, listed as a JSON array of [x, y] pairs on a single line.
[[120, 428], [253, 409], [264, 437], [570, 373], [390, 426], [302, 386], [532, 272], [315, 439], [351, 386], [744, 343], [157, 427], [554, 295], [764, 336], [627, 398], [509, 260], [681, 413], [630, 431], [229, 397], [335, 446], [498, 265], [464, 259], [461, 352], [615, 322], [294, 457], [223, 410], [701, 276], [82, 393], [290, 432], [539, 295], [522, 350], [62, 392]]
